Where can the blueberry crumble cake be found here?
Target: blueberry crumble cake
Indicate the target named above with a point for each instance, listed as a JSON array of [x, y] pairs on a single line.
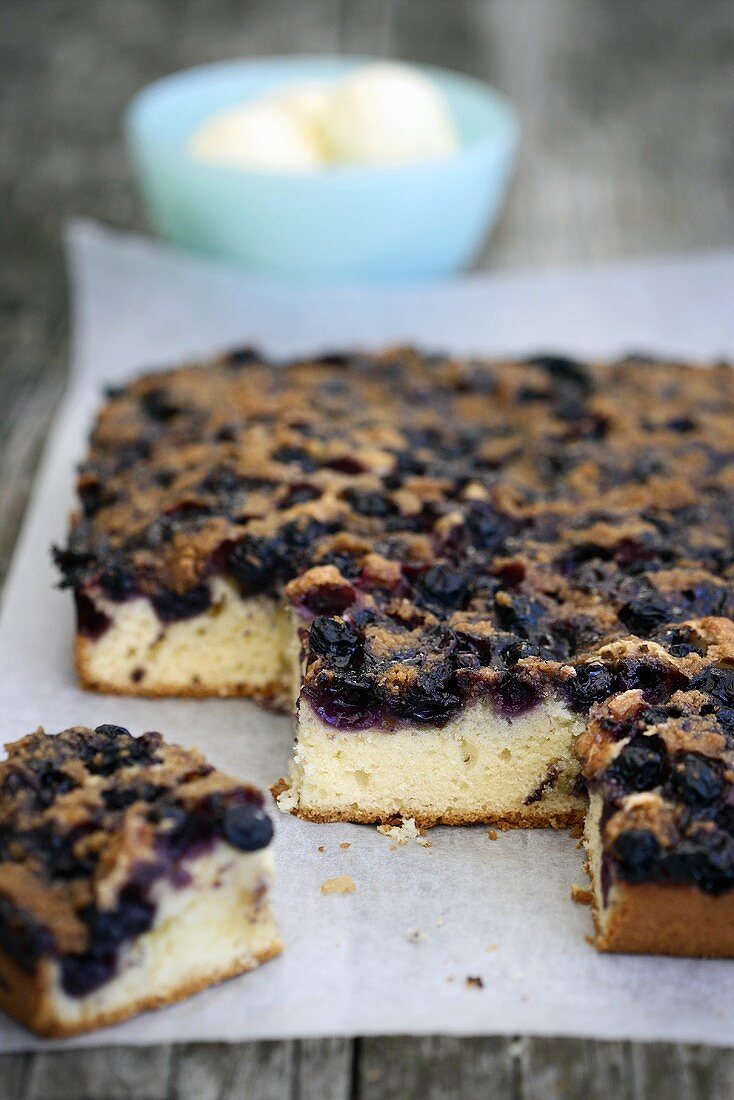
[[444, 562], [660, 828], [132, 874]]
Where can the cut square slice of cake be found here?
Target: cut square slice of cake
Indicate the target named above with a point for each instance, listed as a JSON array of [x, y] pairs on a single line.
[[132, 874], [659, 834]]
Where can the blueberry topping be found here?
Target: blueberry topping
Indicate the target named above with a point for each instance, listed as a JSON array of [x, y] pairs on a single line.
[[441, 589], [637, 854], [640, 765], [342, 699], [82, 974], [91, 622], [112, 731], [591, 684], [335, 639], [172, 606], [22, 937], [718, 682], [254, 564], [116, 583], [295, 456], [515, 694], [645, 615], [371, 504], [706, 859], [246, 827], [158, 405], [109, 928], [696, 780]]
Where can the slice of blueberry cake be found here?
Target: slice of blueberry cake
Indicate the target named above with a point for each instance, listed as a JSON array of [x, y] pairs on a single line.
[[660, 829], [132, 874], [431, 555]]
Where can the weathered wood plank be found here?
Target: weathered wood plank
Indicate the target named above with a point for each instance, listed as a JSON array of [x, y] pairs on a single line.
[[575, 1069], [686, 1072], [323, 1069], [105, 1073], [435, 1068], [216, 1071], [13, 1075]]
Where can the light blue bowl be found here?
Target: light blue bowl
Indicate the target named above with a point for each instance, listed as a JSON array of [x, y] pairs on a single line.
[[420, 220]]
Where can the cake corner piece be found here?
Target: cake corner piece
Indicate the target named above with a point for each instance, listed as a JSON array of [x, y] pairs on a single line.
[[132, 875], [658, 833]]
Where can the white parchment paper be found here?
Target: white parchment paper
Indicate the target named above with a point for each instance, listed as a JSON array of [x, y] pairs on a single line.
[[499, 910]]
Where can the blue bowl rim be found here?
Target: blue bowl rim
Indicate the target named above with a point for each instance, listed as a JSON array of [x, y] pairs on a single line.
[[504, 137]]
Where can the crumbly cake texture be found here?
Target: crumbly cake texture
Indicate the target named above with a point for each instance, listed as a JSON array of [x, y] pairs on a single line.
[[132, 874], [660, 829], [441, 557]]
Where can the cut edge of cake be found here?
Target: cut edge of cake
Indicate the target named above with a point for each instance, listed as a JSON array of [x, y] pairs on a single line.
[[237, 647], [481, 767]]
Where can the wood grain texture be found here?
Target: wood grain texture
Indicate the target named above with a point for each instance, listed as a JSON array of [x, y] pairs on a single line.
[[626, 109]]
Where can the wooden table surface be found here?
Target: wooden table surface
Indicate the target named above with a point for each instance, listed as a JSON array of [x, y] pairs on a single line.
[[627, 110]]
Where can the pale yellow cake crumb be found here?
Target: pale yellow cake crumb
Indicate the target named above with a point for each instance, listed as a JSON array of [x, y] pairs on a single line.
[[403, 833], [342, 884]]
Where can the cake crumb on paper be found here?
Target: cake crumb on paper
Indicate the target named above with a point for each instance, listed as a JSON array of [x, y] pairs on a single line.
[[492, 947], [492, 834], [321, 848], [344, 845], [581, 895], [474, 983], [416, 936], [403, 833], [342, 884]]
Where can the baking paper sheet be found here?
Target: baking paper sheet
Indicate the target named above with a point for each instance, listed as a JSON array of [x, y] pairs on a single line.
[[498, 910]]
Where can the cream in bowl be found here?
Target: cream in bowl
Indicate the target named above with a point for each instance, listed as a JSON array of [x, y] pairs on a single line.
[[380, 115], [324, 168]]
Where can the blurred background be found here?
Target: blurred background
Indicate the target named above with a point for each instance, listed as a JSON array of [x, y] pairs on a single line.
[[626, 109]]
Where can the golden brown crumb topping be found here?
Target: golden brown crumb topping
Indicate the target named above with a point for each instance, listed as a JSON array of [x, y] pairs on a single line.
[[443, 527]]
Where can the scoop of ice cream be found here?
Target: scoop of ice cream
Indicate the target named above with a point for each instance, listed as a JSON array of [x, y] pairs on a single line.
[[381, 115], [274, 134], [387, 114]]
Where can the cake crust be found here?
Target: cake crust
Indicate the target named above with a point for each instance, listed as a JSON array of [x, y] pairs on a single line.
[[650, 919], [24, 1000]]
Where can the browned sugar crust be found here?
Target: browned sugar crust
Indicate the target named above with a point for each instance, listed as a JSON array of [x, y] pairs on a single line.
[[650, 919], [530, 818], [22, 998]]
